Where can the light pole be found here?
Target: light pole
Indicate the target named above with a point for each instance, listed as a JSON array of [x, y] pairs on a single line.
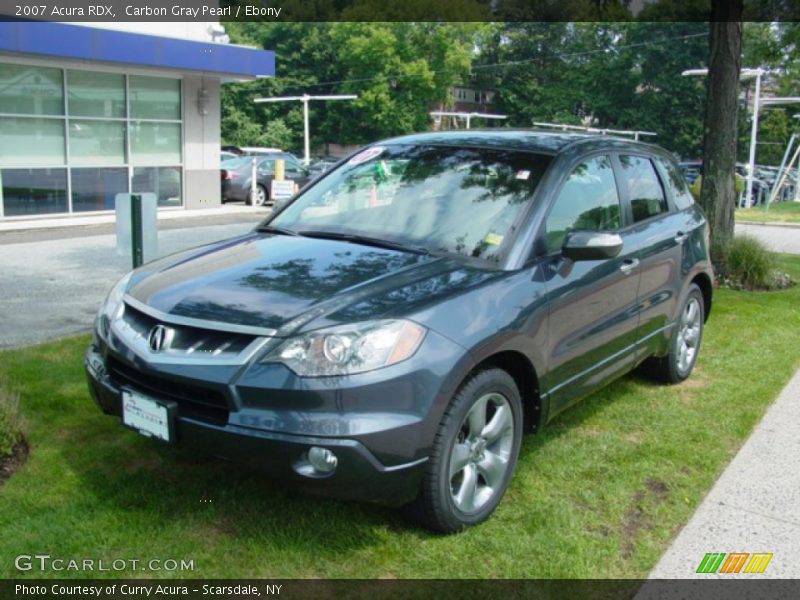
[[744, 75], [467, 116], [305, 98]]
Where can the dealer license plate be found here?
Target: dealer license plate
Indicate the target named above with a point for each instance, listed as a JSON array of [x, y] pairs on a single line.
[[147, 415]]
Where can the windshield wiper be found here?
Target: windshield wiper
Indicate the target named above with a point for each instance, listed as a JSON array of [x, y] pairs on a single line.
[[364, 240], [273, 229]]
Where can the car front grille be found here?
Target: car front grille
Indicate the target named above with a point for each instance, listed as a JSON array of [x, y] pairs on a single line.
[[194, 402], [189, 342]]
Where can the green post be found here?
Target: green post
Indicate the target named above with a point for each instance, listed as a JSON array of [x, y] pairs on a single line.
[[137, 252]]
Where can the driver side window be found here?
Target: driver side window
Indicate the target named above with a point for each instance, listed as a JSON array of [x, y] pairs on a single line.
[[588, 201]]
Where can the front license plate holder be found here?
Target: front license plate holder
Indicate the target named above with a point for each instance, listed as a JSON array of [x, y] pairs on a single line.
[[149, 416]]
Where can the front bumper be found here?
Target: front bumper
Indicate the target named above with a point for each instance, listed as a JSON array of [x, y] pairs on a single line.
[[380, 463]]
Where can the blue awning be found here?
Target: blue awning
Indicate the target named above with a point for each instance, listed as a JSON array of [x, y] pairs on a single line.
[[121, 47]]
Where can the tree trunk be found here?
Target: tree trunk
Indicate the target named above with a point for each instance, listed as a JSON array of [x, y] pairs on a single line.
[[717, 195]]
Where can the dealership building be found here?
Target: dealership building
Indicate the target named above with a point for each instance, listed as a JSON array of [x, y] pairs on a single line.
[[87, 112]]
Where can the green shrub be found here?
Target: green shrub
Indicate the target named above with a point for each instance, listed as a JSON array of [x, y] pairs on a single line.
[[746, 263], [10, 422]]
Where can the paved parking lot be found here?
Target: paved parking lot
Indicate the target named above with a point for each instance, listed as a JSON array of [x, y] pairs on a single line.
[[53, 287]]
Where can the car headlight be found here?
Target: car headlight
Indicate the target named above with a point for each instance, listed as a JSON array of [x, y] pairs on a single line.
[[110, 308], [349, 349]]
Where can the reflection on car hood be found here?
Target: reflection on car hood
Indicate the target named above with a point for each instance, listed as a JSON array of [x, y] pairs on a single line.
[[290, 283]]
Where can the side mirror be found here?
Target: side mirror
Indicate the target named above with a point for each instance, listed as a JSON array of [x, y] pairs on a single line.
[[591, 245]]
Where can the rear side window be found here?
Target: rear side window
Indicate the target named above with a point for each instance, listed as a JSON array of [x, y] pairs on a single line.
[[680, 191], [643, 186], [588, 201]]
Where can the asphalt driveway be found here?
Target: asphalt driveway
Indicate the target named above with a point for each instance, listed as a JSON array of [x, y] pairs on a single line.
[[778, 238], [53, 287]]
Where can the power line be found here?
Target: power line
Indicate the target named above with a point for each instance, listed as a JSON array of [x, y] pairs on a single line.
[[504, 63]]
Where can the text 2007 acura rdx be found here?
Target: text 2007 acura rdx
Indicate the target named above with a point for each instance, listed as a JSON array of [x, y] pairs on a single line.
[[391, 332]]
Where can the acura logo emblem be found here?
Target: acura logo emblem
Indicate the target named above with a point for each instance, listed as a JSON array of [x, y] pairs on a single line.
[[159, 338]]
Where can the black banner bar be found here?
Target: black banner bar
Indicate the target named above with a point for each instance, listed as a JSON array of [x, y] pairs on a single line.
[[735, 588], [379, 10]]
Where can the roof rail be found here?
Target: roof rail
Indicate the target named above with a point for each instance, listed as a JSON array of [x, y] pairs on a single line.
[[565, 127]]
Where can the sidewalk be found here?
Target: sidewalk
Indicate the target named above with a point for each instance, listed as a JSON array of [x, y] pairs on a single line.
[[755, 504]]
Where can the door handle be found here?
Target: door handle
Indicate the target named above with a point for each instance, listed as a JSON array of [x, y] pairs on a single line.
[[629, 265], [681, 237]]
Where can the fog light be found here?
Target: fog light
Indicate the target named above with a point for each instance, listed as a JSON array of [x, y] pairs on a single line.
[[322, 459]]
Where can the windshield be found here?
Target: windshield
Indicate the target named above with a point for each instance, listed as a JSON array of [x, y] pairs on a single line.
[[459, 200]]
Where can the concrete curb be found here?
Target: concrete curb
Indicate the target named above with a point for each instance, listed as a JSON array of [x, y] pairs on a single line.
[[770, 224], [754, 506]]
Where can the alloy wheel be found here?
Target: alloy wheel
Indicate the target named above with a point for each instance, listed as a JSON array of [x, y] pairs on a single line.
[[480, 458], [689, 334]]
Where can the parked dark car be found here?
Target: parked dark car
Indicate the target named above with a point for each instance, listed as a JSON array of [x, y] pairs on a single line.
[[391, 332], [322, 164], [691, 170], [761, 188], [236, 176]]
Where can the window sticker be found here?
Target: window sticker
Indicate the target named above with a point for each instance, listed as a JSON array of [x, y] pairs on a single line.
[[366, 155], [493, 239], [523, 174]]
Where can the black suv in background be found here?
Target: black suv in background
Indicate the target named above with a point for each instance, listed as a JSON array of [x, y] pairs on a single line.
[[391, 332]]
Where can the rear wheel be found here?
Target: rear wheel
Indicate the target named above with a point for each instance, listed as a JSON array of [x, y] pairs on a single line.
[[685, 344], [474, 454]]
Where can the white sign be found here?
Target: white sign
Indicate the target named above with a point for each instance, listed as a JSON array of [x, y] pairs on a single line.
[[149, 225], [281, 190]]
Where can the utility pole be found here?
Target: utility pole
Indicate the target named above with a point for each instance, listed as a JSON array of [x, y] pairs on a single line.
[[305, 98]]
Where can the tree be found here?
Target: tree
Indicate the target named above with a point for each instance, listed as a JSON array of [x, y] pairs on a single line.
[[717, 195]]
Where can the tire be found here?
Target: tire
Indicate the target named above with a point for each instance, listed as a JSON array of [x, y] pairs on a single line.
[[474, 454], [684, 345], [262, 196]]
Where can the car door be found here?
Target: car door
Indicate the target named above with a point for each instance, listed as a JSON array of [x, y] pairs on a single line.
[[592, 316], [660, 234]]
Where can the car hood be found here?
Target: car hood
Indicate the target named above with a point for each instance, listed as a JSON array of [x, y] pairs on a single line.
[[288, 283]]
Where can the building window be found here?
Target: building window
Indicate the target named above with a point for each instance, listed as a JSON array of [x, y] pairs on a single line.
[[155, 143], [96, 189], [96, 143], [71, 140], [31, 142], [164, 182], [33, 191], [93, 94], [155, 98], [26, 90]]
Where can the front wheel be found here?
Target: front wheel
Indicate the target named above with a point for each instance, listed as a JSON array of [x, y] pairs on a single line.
[[261, 198], [473, 456], [685, 343]]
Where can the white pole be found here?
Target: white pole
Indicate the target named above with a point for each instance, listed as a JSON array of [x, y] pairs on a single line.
[[306, 151], [253, 182], [753, 134], [797, 184], [469, 118]]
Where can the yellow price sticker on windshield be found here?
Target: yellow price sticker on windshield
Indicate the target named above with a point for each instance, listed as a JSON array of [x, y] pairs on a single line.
[[493, 239]]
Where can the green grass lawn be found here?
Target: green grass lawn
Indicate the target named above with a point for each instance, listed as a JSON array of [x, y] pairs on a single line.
[[599, 494], [783, 212]]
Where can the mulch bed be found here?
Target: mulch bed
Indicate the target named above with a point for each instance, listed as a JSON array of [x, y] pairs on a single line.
[[11, 462]]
